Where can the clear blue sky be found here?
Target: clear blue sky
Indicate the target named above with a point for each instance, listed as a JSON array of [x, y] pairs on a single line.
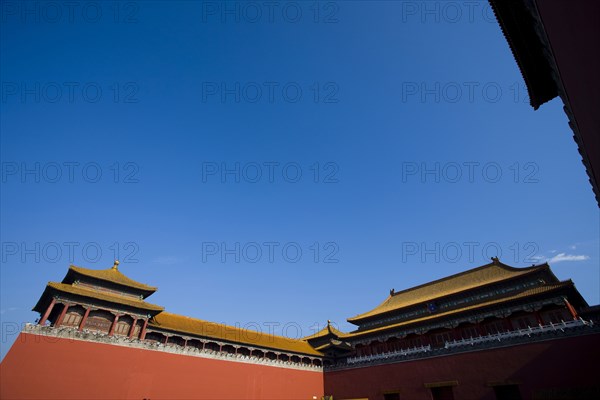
[[408, 122]]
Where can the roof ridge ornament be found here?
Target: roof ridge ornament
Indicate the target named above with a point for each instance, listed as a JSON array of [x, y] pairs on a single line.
[[116, 265], [495, 260]]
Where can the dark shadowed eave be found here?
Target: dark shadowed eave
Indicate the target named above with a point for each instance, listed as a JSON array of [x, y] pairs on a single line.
[[518, 27], [92, 296]]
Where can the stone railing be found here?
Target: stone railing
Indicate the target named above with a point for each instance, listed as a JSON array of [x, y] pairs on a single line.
[[503, 336], [390, 355], [521, 336], [52, 334]]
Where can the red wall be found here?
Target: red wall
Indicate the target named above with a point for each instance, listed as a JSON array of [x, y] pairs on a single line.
[[39, 367], [566, 364]]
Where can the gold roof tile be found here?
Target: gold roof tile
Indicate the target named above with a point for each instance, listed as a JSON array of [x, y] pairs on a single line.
[[193, 326], [334, 343], [328, 329], [526, 293], [470, 279], [103, 295], [112, 275]]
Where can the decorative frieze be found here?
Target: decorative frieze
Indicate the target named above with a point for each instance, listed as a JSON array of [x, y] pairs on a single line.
[[472, 318], [97, 337], [519, 336]]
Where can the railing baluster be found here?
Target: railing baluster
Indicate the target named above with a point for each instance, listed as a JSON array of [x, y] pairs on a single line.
[[499, 336]]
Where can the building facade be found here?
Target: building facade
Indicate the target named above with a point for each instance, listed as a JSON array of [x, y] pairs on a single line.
[[558, 60], [493, 332]]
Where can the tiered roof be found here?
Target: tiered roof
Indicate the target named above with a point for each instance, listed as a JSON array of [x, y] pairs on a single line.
[[75, 284], [329, 338], [487, 274], [98, 285], [328, 330], [544, 289], [102, 295], [110, 275]]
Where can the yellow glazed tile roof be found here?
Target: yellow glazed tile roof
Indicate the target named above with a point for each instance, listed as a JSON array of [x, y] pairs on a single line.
[[484, 275], [103, 295], [324, 332], [526, 293], [180, 323], [334, 343], [112, 275]]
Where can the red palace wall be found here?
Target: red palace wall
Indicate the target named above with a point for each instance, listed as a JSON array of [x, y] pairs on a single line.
[[41, 367], [558, 369]]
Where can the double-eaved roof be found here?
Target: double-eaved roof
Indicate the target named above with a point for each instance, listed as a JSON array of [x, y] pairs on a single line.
[[529, 293], [535, 282], [102, 295], [487, 274], [106, 285], [110, 286]]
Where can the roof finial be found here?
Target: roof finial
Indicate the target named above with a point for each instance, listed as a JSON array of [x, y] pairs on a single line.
[[392, 291], [328, 322], [495, 260], [115, 265]]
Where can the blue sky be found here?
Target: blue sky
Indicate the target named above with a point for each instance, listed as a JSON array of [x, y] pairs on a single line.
[[277, 167]]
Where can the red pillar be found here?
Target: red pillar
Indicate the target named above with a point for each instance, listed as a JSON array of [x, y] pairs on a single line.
[[48, 311], [132, 328], [62, 315], [143, 334], [85, 317], [114, 324], [571, 309]]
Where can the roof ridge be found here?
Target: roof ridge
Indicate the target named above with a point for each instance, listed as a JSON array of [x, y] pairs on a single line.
[[125, 280], [530, 291], [494, 263], [446, 278], [323, 332]]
